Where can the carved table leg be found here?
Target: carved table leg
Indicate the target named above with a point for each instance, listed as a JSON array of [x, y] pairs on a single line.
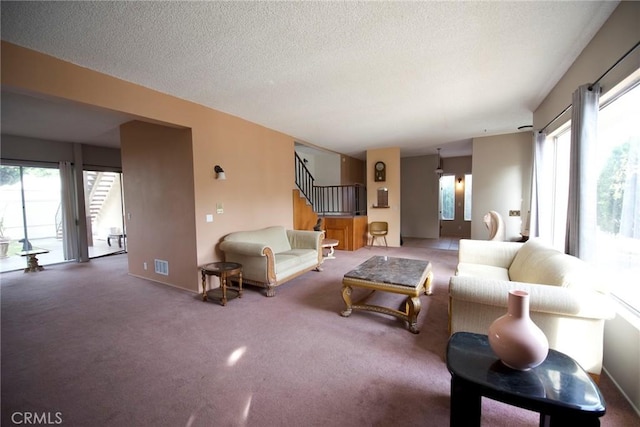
[[223, 285], [32, 265], [428, 283], [413, 309], [204, 286], [346, 296]]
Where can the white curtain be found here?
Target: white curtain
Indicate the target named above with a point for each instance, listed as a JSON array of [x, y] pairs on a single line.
[[68, 201], [581, 211], [540, 207]]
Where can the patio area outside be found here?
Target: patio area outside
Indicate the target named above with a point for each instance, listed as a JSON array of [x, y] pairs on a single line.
[[14, 261]]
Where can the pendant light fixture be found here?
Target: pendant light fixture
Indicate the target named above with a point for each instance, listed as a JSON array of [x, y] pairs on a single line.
[[439, 171]]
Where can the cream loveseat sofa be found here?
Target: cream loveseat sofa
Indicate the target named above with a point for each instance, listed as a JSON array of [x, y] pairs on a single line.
[[273, 255], [567, 300]]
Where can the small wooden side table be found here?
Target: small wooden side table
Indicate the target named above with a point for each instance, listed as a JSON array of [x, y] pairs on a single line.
[[223, 270], [32, 260]]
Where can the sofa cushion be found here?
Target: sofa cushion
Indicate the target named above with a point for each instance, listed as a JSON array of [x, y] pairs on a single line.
[[537, 263], [488, 252], [293, 259], [484, 271], [275, 237]]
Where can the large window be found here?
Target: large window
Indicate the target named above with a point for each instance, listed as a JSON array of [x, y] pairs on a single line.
[[556, 223], [618, 195], [617, 240]]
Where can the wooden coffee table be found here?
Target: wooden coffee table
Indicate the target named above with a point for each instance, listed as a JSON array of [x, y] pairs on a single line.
[[410, 277]]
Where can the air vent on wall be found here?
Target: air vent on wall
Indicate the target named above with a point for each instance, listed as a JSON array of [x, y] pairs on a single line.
[[161, 267]]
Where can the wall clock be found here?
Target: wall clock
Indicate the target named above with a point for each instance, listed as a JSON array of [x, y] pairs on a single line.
[[380, 172]]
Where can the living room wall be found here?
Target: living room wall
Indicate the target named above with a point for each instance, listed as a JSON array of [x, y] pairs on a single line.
[[257, 161], [617, 36], [391, 158], [159, 189], [501, 181], [35, 150]]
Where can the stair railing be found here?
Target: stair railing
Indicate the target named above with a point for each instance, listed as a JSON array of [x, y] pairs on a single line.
[[330, 199], [341, 199], [304, 179]]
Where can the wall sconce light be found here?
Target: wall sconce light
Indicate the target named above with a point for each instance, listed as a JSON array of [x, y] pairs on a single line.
[[459, 180], [219, 173]]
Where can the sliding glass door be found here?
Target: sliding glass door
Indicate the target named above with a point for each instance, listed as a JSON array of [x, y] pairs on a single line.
[[29, 215], [103, 196], [32, 217]]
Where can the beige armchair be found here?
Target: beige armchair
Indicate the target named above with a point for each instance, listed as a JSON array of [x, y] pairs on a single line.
[[567, 301]]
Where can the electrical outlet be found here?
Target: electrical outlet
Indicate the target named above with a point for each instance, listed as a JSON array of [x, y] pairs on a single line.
[[514, 213]]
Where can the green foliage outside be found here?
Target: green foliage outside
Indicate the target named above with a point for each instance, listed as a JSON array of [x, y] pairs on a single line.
[[611, 189], [11, 174], [447, 194]]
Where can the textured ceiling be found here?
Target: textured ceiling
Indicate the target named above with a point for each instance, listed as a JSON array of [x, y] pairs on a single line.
[[346, 76]]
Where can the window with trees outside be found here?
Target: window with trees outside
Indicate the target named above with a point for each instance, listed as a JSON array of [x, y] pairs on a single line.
[[447, 197], [618, 195], [617, 243]]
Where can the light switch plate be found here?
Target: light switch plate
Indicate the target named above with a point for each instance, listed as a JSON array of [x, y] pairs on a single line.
[[209, 217]]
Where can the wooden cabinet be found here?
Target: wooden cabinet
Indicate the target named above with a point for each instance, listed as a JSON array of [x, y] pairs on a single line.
[[350, 231]]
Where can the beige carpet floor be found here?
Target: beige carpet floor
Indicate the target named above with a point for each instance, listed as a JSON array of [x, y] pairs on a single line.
[[102, 348]]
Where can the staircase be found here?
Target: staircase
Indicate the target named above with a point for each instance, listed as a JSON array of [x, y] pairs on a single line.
[[348, 200], [98, 185], [304, 217]]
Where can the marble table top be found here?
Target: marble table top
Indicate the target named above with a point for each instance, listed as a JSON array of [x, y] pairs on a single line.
[[396, 271]]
